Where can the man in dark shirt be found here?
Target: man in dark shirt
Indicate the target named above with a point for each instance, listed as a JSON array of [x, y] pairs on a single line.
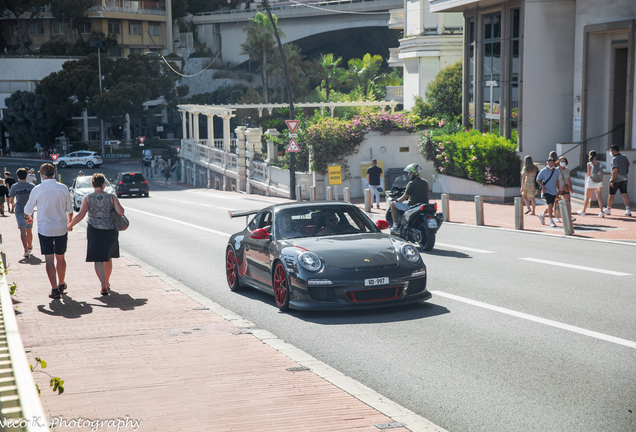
[[618, 182], [9, 181], [374, 174], [416, 193]]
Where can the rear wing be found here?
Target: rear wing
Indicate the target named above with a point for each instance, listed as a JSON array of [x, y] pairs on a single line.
[[234, 214]]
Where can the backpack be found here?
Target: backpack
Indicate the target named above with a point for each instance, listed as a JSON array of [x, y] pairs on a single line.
[[597, 173]]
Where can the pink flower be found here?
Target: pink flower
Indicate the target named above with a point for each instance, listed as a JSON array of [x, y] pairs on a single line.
[[441, 169], [471, 146], [474, 158]]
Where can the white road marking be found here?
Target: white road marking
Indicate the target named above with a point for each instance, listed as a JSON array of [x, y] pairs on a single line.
[[577, 267], [579, 330], [181, 222], [463, 248]]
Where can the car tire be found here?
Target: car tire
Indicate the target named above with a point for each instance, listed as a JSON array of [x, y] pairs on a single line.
[[231, 270], [281, 285], [147, 194], [62, 165], [90, 164]]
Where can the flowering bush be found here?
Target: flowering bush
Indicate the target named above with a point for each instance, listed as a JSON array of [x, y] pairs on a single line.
[[386, 122], [485, 158]]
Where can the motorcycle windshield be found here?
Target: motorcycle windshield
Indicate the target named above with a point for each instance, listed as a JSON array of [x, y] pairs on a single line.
[[401, 181]]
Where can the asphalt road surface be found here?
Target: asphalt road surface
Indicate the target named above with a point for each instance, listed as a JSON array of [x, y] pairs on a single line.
[[524, 332]]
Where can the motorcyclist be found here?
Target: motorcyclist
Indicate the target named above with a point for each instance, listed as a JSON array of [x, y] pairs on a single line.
[[416, 193]]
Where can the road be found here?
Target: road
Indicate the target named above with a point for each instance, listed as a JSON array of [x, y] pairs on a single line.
[[524, 332]]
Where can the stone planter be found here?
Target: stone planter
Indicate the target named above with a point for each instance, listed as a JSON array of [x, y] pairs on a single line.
[[459, 188]]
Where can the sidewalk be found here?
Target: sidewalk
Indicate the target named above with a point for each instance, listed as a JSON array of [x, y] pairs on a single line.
[[158, 353]]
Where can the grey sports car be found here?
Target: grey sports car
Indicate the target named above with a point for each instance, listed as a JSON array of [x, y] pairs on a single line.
[[324, 256]]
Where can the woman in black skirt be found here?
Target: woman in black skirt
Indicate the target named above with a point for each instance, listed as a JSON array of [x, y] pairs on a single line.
[[103, 239]]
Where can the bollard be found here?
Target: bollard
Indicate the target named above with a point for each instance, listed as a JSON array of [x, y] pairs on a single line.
[[59, 178], [479, 210], [312, 193], [329, 194], [347, 195], [566, 217], [445, 208], [299, 197], [367, 200], [518, 213], [335, 193]]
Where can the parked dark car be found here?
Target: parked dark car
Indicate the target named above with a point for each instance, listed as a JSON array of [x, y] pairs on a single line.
[[324, 256], [130, 183]]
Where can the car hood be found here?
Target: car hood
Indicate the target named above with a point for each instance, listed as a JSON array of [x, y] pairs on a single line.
[[353, 251]]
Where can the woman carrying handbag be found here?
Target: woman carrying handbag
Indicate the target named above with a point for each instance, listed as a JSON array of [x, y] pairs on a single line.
[[102, 235]]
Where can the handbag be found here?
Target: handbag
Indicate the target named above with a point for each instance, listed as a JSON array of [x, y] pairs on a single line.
[[121, 222]]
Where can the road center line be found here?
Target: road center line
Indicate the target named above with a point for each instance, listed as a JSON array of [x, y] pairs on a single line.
[[567, 327], [577, 267], [181, 222], [463, 248]]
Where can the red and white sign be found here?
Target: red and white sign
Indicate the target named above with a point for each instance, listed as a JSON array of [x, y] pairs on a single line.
[[292, 125], [141, 139], [293, 146], [178, 150], [54, 157]]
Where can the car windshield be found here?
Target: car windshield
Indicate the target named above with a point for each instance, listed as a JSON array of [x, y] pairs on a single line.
[[132, 178], [87, 182], [317, 221]]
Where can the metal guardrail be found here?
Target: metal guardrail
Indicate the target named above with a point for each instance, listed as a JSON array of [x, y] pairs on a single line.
[[273, 8], [20, 405]]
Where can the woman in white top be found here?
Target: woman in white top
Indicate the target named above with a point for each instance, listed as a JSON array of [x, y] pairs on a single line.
[[592, 185]]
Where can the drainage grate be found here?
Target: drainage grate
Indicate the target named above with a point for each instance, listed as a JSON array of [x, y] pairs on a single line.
[[297, 369], [392, 425], [133, 265], [240, 332], [200, 308], [171, 289], [151, 276]]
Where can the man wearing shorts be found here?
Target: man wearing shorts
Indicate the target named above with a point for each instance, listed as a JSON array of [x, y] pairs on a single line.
[[18, 197], [548, 178], [55, 212], [618, 182]]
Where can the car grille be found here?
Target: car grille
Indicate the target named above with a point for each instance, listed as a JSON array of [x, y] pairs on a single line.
[[416, 286], [378, 294], [323, 294], [369, 268]]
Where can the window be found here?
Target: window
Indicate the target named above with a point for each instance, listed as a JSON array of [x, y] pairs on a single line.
[[491, 70], [84, 28], [514, 73], [114, 52], [59, 28], [154, 29], [37, 28], [114, 27], [134, 28], [135, 50]]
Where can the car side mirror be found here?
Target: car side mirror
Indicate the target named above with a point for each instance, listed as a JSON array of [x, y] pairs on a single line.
[[260, 234], [382, 225]]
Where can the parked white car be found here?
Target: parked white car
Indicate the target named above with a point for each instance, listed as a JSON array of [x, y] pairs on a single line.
[[83, 186], [87, 158]]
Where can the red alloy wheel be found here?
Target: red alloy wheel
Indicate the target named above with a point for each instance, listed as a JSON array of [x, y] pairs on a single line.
[[231, 270], [281, 291]]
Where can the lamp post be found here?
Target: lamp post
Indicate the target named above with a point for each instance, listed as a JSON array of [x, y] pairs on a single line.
[[99, 45]]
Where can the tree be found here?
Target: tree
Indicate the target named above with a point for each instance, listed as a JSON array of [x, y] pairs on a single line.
[[17, 8], [69, 12], [260, 43], [362, 72], [444, 94], [328, 71], [296, 66], [26, 120]]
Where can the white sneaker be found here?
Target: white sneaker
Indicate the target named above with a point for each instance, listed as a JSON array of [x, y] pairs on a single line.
[[607, 211], [558, 220], [628, 212], [601, 214], [542, 219], [27, 254], [573, 218], [581, 213], [552, 224]]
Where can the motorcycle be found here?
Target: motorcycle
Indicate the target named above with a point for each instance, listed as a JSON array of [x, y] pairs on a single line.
[[418, 224]]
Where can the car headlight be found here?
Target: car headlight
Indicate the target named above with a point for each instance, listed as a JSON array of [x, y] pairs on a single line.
[[410, 253], [309, 261]]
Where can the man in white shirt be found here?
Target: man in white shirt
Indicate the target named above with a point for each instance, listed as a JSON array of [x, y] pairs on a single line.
[[55, 211]]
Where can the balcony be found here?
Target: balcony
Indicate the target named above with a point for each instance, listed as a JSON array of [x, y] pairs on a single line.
[[128, 9], [396, 21], [394, 93], [394, 58]]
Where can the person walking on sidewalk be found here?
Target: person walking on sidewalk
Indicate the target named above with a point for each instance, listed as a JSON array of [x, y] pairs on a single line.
[[55, 211], [4, 193], [565, 183], [103, 238], [594, 182], [528, 188], [618, 181], [9, 181], [548, 181], [167, 170], [18, 197], [374, 174]]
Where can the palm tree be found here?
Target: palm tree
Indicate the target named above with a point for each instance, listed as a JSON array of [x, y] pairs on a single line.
[[296, 67], [328, 71], [259, 44], [363, 71]]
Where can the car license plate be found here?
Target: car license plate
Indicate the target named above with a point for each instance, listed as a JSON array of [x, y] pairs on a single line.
[[432, 223], [376, 281], [134, 189]]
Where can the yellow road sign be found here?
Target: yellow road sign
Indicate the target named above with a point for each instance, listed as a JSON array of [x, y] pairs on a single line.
[[335, 175]]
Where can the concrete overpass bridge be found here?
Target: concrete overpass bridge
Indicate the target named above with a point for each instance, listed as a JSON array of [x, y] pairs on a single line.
[[308, 25]]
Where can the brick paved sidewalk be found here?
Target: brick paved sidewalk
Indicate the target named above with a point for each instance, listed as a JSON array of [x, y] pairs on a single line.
[[151, 353]]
